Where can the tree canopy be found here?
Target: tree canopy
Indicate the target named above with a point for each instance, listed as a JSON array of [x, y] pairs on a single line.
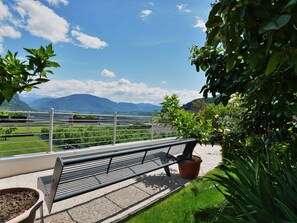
[[251, 50]]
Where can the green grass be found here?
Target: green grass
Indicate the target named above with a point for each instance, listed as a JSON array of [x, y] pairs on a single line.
[[22, 145], [185, 205]]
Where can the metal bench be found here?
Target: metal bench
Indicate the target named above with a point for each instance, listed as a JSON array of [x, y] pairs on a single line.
[[77, 175]]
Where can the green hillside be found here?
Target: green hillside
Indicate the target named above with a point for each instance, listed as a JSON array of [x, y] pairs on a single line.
[[16, 104]]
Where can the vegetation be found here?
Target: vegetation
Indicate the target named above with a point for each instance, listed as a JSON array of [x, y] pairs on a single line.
[[11, 114], [185, 124], [23, 145], [258, 191], [17, 76], [251, 52], [187, 205], [87, 136]]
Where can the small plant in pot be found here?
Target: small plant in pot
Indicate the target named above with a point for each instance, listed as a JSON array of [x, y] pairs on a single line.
[[20, 204], [186, 125]]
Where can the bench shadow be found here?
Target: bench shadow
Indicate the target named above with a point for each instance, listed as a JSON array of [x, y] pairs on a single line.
[[152, 185]]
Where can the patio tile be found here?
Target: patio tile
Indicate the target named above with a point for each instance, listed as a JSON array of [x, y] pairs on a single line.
[[127, 196], [59, 217], [94, 211]]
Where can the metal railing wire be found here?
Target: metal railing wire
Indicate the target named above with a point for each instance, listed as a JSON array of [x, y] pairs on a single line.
[[26, 132]]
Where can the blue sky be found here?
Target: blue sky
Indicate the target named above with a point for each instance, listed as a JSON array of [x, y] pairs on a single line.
[[128, 50]]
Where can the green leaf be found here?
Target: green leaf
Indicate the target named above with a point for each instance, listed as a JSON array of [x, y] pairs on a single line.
[[289, 5], [42, 80], [273, 62], [214, 21], [275, 23], [7, 92], [290, 214], [231, 61], [215, 9]]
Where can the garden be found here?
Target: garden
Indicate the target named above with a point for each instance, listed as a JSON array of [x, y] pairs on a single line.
[[249, 60]]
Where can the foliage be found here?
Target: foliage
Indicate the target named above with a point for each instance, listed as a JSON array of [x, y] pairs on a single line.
[[89, 116], [82, 137], [197, 104], [11, 114], [186, 124], [4, 132], [257, 190], [225, 127], [251, 50], [17, 76]]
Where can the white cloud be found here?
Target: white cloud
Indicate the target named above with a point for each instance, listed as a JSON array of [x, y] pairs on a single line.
[[57, 2], [4, 11], [145, 13], [107, 73], [183, 8], [122, 90], [1, 49], [163, 82], [8, 31], [42, 21], [87, 41], [151, 4], [200, 24]]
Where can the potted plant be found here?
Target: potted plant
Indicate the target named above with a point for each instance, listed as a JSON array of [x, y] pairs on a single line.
[[19, 204], [20, 76], [186, 125]]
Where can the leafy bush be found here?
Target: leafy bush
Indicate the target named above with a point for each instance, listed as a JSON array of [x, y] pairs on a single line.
[[258, 190], [186, 124]]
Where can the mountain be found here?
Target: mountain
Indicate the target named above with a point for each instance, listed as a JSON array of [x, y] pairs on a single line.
[[85, 103], [16, 104], [197, 104], [39, 102]]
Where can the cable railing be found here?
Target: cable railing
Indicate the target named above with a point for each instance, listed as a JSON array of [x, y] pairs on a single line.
[[26, 132]]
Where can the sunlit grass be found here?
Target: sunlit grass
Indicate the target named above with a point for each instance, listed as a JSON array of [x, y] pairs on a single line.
[[22, 145], [186, 205]]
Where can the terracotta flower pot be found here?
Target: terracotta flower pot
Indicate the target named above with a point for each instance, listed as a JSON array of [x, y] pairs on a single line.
[[29, 215], [189, 169]]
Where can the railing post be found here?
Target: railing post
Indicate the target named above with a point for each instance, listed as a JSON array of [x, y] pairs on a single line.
[[51, 130], [114, 128], [152, 128]]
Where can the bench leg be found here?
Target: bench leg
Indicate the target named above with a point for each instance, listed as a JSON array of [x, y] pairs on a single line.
[[166, 168], [41, 213]]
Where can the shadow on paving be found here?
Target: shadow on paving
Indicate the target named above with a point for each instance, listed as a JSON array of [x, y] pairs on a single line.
[[120, 202]]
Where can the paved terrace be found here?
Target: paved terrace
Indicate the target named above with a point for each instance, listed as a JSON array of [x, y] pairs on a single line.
[[117, 202]]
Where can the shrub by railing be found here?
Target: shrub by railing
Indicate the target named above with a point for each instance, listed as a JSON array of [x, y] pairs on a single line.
[[52, 131]]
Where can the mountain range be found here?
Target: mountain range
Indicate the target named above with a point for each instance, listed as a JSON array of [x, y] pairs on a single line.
[[86, 103]]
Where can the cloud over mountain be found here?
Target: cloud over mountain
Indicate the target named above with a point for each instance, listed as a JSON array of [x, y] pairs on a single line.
[[120, 90]]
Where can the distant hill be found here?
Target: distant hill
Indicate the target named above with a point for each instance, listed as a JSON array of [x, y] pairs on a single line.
[[16, 104], [197, 104], [86, 103]]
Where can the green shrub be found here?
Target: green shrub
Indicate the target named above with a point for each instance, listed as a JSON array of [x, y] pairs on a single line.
[[258, 190]]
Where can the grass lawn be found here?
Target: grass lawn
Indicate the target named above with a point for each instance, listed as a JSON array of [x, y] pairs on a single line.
[[185, 205], [22, 145]]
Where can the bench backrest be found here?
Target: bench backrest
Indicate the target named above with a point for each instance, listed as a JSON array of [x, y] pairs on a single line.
[[76, 175]]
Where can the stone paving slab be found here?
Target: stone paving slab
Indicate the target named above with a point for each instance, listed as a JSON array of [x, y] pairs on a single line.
[[118, 201]]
